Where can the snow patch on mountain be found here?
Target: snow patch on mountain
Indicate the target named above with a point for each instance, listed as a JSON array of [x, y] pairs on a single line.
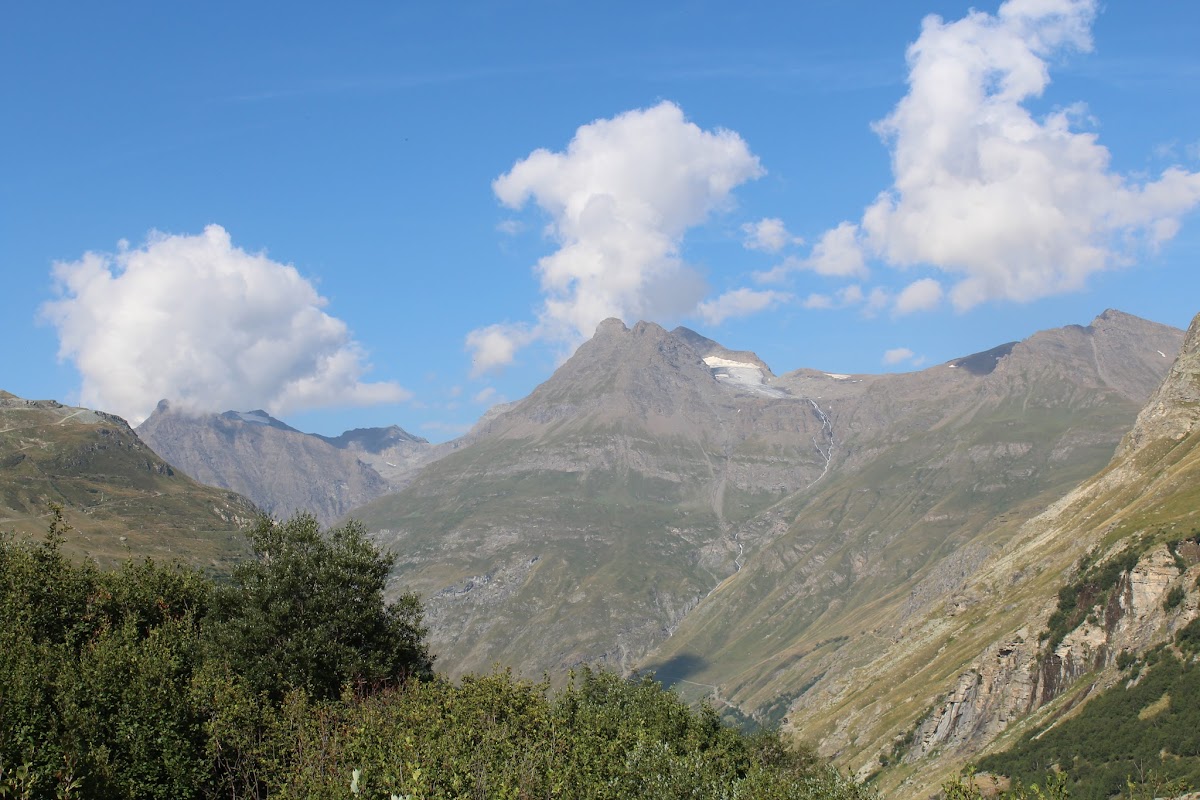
[[742, 375]]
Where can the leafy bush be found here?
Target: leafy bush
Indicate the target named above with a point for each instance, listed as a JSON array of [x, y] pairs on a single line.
[[497, 736], [94, 671], [297, 680], [1188, 637], [308, 613]]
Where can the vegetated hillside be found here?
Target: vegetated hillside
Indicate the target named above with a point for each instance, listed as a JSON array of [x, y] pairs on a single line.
[[664, 502], [1024, 635], [280, 468], [294, 678], [117, 494]]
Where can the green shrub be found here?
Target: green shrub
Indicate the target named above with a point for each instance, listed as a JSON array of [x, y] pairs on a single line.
[[296, 680], [308, 613]]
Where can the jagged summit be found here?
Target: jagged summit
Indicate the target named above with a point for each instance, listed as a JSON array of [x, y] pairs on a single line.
[[707, 347], [281, 469], [258, 417], [374, 440], [982, 363], [611, 326]]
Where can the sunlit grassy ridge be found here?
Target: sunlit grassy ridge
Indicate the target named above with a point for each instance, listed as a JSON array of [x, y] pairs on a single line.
[[119, 497]]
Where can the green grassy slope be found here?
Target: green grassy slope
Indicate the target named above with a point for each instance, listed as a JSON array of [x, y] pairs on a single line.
[[118, 496]]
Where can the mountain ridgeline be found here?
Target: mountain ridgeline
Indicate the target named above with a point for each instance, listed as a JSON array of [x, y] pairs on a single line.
[[908, 571], [244, 452]]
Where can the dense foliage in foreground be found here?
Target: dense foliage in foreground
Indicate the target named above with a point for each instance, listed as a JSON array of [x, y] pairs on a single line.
[[296, 679]]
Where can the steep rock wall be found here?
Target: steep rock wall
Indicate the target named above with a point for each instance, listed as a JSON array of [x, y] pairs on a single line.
[[1013, 678]]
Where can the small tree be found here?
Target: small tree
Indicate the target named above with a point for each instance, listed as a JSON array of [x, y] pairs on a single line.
[[308, 613]]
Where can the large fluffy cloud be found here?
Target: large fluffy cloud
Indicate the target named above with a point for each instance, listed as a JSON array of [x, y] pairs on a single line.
[[619, 198], [1014, 206], [205, 324]]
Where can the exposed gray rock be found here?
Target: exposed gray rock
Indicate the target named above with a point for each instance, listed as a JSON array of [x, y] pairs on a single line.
[[281, 469]]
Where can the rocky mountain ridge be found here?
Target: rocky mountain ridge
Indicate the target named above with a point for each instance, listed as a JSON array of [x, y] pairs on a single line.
[[834, 552], [281, 469], [1118, 546], [1147, 494]]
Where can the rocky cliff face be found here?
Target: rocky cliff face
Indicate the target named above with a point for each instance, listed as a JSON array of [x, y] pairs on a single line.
[[1173, 413], [1015, 677]]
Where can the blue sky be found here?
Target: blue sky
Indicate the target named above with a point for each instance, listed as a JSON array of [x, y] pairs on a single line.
[[341, 214]]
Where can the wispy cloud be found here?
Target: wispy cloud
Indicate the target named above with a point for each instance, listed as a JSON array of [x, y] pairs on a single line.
[[740, 303], [769, 235], [902, 355], [923, 295]]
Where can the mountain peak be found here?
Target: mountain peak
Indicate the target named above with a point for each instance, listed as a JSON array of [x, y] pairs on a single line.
[[373, 440], [610, 326], [1114, 315], [258, 417], [706, 348], [645, 328]]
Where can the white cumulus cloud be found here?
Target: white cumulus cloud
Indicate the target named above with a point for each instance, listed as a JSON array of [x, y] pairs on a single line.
[[620, 198], [739, 303], [923, 295], [769, 235], [838, 253], [1012, 206], [496, 345], [206, 325], [849, 297]]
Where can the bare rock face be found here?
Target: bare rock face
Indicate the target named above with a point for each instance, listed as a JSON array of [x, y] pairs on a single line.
[[1173, 413], [1014, 678]]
